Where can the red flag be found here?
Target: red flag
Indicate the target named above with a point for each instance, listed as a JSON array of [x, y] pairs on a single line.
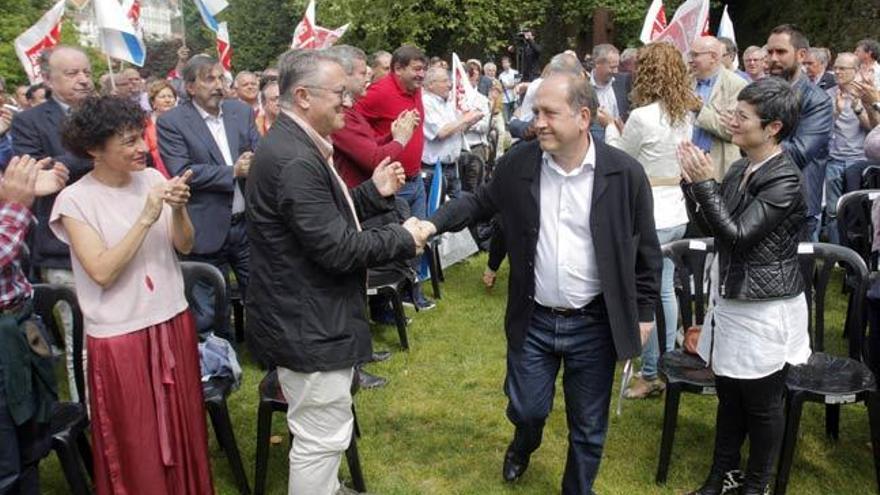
[[688, 23], [224, 48], [46, 33], [309, 35], [655, 22]]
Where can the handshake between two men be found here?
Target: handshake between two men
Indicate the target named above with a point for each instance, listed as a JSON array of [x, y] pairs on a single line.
[[388, 178]]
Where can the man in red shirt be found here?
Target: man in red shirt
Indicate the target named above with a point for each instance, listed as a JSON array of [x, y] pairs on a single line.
[[383, 103], [357, 149]]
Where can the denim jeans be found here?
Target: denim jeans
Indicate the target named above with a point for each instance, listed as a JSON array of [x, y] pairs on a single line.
[[651, 351], [836, 185], [584, 343], [234, 254], [413, 192]]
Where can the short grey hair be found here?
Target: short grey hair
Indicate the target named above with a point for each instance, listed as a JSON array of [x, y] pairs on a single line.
[[245, 73], [629, 53], [375, 56], [346, 55], [753, 49], [434, 74], [46, 56], [564, 63], [580, 92], [298, 67], [820, 55], [490, 64], [603, 51], [196, 66]]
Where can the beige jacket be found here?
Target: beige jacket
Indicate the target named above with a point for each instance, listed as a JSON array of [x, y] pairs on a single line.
[[723, 97]]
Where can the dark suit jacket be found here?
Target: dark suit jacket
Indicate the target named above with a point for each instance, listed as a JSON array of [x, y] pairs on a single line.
[[308, 264], [37, 132], [808, 143], [622, 85], [621, 220], [185, 142]]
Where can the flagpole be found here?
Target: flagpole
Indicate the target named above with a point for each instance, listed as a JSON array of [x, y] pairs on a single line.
[[182, 22], [112, 77]]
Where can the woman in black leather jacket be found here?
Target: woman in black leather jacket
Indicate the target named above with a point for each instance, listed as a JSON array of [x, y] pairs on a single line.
[[758, 320]]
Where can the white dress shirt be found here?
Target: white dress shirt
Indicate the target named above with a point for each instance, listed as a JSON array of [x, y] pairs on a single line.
[[524, 112], [651, 140], [753, 339], [438, 113], [606, 96], [508, 81], [566, 275], [218, 131], [478, 134]]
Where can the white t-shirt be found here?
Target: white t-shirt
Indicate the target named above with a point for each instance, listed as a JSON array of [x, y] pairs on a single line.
[[149, 290]]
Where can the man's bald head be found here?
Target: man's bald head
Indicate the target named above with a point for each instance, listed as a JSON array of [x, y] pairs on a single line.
[[704, 56], [68, 73]]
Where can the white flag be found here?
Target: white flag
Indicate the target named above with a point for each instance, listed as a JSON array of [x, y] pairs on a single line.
[[688, 24], [118, 36], [46, 33], [655, 22], [308, 34], [725, 30]]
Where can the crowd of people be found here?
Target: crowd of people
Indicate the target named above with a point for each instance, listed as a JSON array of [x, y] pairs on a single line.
[[296, 180]]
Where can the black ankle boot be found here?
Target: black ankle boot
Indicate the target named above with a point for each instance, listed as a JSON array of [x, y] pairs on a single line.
[[714, 485]]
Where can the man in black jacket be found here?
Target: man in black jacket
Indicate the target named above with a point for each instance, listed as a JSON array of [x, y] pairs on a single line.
[[309, 259], [584, 272]]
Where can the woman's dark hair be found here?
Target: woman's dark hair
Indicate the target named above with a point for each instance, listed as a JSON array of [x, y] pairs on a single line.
[[97, 120], [773, 99]]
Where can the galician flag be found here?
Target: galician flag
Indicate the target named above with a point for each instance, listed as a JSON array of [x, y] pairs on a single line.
[[209, 9], [118, 36]]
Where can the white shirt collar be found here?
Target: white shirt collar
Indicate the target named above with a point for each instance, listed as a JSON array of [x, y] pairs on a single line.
[[205, 115], [600, 86], [589, 161]]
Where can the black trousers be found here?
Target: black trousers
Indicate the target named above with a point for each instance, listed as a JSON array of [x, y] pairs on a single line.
[[754, 408]]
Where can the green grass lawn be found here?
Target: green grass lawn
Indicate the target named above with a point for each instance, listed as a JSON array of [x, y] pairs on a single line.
[[439, 426]]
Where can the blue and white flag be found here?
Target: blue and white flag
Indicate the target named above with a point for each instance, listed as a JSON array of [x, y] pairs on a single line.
[[209, 10], [118, 36]]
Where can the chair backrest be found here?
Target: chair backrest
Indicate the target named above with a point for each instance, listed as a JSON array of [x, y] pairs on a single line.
[[197, 272], [871, 176], [690, 257], [854, 225], [817, 261], [46, 299]]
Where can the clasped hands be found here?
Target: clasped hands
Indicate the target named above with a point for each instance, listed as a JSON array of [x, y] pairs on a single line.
[[421, 231], [174, 192], [696, 166]]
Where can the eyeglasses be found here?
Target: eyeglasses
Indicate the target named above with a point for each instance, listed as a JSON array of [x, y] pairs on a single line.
[[693, 55], [343, 94]]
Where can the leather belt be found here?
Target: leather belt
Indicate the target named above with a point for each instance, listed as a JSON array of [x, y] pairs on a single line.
[[597, 302]]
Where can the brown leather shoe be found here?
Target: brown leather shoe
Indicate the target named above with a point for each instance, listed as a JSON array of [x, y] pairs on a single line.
[[640, 388]]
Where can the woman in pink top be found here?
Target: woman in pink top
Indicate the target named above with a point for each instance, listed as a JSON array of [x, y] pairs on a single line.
[[124, 223]]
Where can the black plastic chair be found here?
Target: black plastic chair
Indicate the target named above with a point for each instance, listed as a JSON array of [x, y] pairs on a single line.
[[432, 250], [70, 420], [683, 372], [217, 390], [271, 401], [392, 285], [827, 379], [854, 226]]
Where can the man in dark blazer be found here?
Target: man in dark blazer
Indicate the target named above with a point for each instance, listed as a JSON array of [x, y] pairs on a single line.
[[37, 132], [309, 263], [215, 138], [585, 264]]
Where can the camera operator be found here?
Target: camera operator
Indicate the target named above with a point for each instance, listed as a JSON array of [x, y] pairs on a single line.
[[527, 52]]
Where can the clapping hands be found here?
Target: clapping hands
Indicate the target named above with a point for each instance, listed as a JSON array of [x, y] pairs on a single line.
[[27, 178], [389, 177], [696, 166], [421, 231], [174, 192]]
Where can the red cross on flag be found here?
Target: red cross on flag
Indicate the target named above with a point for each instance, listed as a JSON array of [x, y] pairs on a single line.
[[46, 33], [309, 35]]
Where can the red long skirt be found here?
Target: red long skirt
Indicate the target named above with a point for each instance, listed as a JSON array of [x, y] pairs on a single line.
[[148, 419]]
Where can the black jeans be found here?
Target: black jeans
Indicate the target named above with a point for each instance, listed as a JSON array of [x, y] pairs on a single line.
[[21, 448], [235, 254], [754, 408]]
